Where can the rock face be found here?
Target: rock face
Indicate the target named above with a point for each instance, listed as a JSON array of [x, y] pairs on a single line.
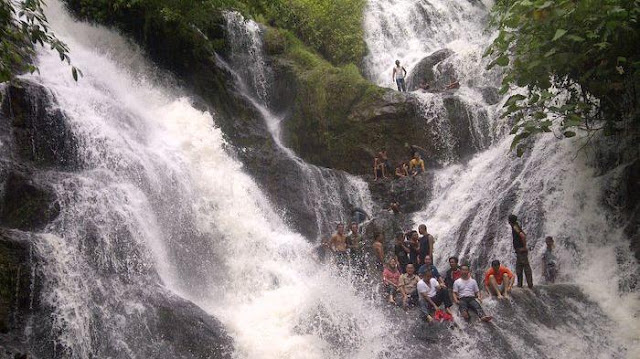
[[432, 71], [37, 146]]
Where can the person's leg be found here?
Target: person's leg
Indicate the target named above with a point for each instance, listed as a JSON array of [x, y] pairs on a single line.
[[463, 306], [528, 273], [519, 269], [493, 286], [473, 303], [425, 308], [413, 297], [444, 298], [399, 84], [551, 274], [404, 86]]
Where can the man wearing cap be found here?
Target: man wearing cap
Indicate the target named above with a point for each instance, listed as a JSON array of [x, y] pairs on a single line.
[[499, 280]]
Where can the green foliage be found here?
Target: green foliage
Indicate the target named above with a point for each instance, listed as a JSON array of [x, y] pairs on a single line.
[[579, 62], [333, 28], [22, 25]]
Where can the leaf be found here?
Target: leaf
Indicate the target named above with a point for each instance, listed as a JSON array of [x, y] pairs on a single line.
[[74, 73], [520, 151], [513, 99], [550, 52], [575, 38], [559, 33], [569, 134]]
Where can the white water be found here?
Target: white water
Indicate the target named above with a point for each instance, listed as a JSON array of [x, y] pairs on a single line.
[[160, 194], [326, 189], [553, 188]]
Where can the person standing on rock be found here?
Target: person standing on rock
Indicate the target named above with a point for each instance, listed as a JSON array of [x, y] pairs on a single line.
[[356, 249], [466, 295], [414, 248], [522, 252], [399, 73], [339, 246], [401, 251], [378, 250], [549, 262], [426, 242]]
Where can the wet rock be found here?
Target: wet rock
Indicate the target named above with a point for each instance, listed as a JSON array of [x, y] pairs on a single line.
[[26, 205], [40, 131], [432, 71], [490, 95], [412, 193], [471, 134], [20, 286]]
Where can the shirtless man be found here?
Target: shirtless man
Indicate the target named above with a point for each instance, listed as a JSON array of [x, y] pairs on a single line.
[[339, 246], [378, 250]]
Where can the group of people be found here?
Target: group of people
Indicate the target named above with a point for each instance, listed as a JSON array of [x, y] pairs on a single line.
[[410, 278], [382, 167]]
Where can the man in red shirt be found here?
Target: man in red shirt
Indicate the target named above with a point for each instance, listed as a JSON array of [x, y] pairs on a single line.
[[499, 280]]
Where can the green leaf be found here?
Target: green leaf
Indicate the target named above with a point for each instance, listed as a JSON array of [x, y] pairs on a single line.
[[513, 99], [569, 134], [520, 151], [575, 38], [559, 33], [74, 73]]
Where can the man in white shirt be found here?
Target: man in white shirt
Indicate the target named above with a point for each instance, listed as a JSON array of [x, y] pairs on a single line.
[[430, 295], [466, 295]]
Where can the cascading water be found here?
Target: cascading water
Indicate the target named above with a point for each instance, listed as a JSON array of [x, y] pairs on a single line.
[[332, 194], [553, 188], [156, 199], [410, 31]]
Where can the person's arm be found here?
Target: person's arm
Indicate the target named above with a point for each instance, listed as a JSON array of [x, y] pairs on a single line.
[[393, 77], [426, 297], [332, 243], [455, 297], [406, 249], [523, 238], [431, 241], [422, 165], [405, 70]]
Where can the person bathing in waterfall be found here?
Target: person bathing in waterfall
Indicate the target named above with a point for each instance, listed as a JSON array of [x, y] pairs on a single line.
[[452, 274], [522, 252], [408, 282], [338, 245], [355, 244], [378, 250], [416, 165], [499, 280], [399, 73], [466, 295], [391, 280], [401, 252], [426, 242], [431, 295], [549, 262]]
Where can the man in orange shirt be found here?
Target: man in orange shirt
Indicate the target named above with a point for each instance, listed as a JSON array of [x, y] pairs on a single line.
[[499, 280]]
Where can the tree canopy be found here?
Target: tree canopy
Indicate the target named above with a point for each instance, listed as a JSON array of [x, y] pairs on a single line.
[[578, 61], [22, 25]]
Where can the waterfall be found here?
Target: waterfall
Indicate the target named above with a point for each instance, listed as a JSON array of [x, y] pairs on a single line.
[[159, 199], [554, 189], [332, 194]]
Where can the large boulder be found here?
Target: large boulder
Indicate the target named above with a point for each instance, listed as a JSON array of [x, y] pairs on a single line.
[[434, 71], [41, 133], [25, 204]]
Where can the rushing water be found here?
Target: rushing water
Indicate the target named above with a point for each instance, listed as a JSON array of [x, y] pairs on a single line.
[[332, 194], [553, 189], [159, 198]]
